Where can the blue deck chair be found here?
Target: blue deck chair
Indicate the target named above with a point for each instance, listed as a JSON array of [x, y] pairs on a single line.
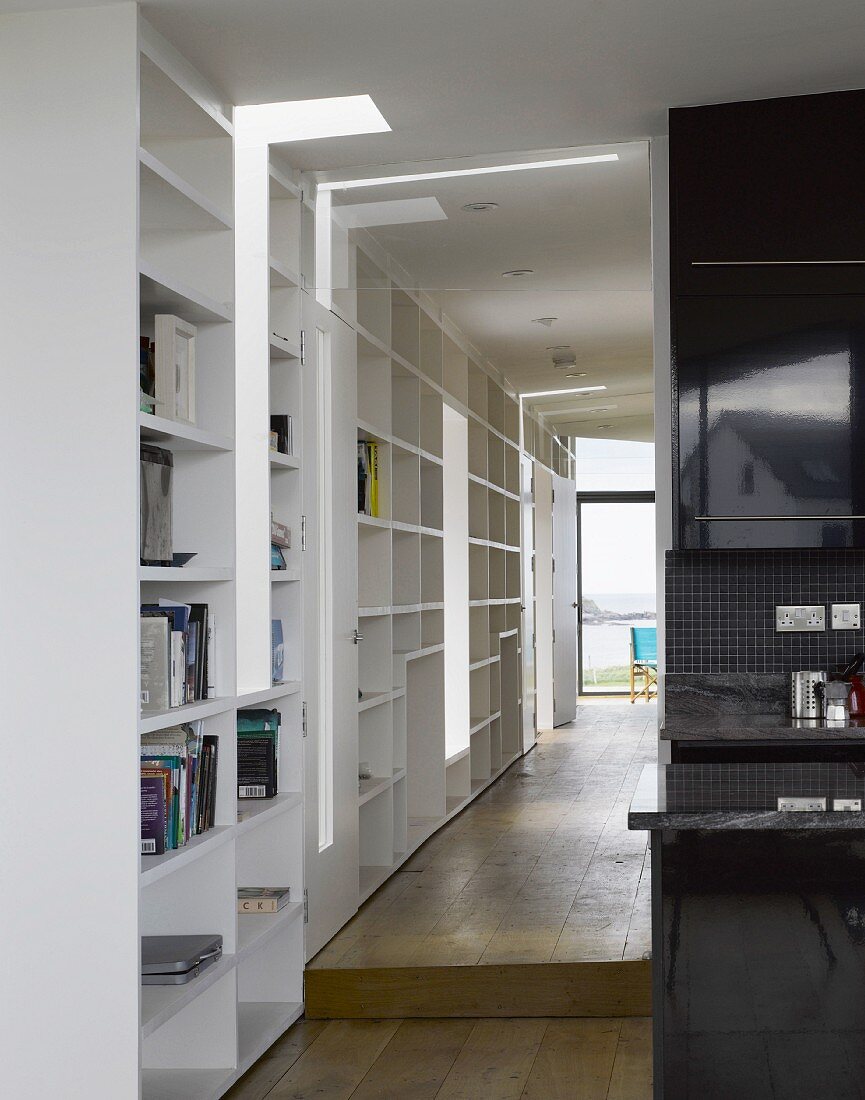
[[644, 662]]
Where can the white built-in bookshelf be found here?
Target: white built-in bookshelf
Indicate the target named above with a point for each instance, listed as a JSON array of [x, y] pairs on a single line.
[[197, 1039], [411, 367]]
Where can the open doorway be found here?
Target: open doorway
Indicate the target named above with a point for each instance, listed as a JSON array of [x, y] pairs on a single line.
[[616, 555]]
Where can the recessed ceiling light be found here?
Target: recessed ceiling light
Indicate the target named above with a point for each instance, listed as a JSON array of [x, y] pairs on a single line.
[[517, 273], [577, 374], [527, 166], [560, 347], [603, 427], [545, 321], [303, 119], [480, 207]]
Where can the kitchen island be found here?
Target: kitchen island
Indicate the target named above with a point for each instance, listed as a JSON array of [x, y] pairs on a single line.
[[758, 930]]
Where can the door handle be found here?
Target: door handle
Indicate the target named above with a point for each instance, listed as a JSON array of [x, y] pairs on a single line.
[[357, 637]]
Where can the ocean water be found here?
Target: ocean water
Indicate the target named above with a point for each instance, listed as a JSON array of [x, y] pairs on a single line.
[[607, 645]]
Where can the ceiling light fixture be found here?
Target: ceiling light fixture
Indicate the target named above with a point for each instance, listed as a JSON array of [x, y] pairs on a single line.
[[577, 374], [547, 322], [480, 207], [560, 347], [416, 177], [603, 427], [518, 273], [559, 393]]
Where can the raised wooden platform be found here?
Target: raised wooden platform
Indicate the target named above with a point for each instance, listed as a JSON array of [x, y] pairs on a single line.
[[601, 989]]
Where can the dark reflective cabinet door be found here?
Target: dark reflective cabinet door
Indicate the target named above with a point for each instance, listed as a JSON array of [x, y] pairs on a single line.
[[771, 421]]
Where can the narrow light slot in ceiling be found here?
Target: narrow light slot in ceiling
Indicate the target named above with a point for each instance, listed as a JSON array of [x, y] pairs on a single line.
[[416, 177], [517, 273], [559, 393]]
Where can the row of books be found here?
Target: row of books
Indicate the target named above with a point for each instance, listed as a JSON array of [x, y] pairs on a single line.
[[178, 786], [177, 641], [367, 478]]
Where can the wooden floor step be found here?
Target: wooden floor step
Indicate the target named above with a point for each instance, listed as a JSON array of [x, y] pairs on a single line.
[[619, 988]]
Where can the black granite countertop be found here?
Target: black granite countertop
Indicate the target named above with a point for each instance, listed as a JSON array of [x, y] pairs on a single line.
[[744, 796], [750, 727]]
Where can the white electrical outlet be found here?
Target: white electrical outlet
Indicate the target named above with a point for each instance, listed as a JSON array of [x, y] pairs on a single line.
[[800, 617], [845, 616], [796, 804]]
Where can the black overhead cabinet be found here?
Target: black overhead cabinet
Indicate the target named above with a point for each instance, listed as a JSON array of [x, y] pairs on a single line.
[[768, 322]]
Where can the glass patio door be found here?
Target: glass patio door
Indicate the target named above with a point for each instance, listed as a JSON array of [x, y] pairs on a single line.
[[616, 584]]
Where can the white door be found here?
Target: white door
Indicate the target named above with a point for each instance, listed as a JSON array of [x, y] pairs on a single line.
[[564, 600], [530, 712], [330, 616]]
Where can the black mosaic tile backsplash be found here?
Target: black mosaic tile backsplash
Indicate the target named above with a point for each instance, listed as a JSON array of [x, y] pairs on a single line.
[[720, 609], [691, 788]]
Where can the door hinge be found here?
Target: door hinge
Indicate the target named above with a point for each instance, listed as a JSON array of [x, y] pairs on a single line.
[[533, 563], [303, 533], [552, 498], [532, 486], [534, 641], [303, 724], [554, 637], [554, 565], [305, 906], [302, 348]]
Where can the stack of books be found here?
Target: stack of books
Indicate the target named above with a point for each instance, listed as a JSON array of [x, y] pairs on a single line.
[[280, 540], [257, 753], [281, 433], [367, 478], [178, 786], [176, 654]]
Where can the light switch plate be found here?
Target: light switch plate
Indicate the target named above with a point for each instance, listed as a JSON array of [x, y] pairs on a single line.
[[790, 618], [845, 616]]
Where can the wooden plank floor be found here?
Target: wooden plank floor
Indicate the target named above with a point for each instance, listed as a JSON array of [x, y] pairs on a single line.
[[513, 1059], [541, 868]]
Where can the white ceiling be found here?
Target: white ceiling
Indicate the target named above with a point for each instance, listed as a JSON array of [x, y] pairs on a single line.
[[458, 78], [585, 232]]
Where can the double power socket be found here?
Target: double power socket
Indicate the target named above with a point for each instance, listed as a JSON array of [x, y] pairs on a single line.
[[792, 618]]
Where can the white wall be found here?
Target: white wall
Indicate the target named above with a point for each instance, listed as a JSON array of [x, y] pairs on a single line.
[[659, 168], [69, 553], [456, 579]]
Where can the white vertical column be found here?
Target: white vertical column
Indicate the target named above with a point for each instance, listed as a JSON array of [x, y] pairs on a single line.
[[252, 348], [69, 553], [455, 548]]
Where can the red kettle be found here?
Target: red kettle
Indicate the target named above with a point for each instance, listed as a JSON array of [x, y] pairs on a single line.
[[857, 686]]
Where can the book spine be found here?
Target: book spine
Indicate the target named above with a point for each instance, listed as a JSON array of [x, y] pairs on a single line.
[[211, 655], [265, 905]]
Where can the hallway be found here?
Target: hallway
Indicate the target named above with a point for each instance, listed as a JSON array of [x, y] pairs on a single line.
[[541, 868]]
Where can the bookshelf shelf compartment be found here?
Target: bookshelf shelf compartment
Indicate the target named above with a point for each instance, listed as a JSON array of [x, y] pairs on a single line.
[[259, 811], [161, 293], [283, 462], [254, 931], [373, 787], [178, 201], [259, 1025], [153, 868], [281, 348], [268, 695], [191, 712], [181, 437], [159, 1003], [282, 275], [159, 574], [284, 576]]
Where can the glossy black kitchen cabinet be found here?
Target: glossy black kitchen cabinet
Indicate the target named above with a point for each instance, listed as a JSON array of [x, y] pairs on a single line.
[[770, 421], [766, 197]]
